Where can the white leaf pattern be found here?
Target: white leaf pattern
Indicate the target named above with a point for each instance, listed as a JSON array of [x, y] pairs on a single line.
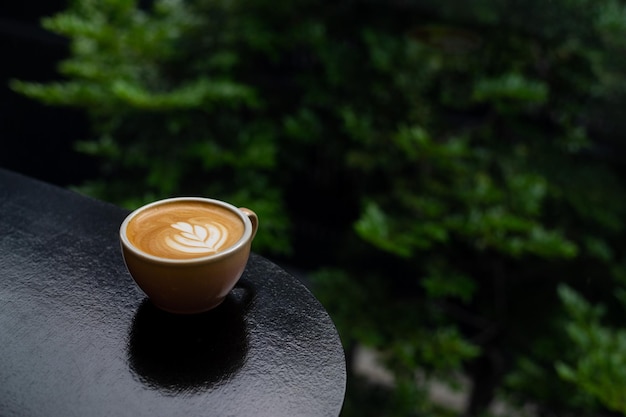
[[183, 227], [207, 238], [201, 232]]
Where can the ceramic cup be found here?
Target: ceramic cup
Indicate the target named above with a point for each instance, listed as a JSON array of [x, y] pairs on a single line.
[[187, 253]]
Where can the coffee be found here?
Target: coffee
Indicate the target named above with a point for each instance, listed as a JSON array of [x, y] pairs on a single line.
[[184, 229]]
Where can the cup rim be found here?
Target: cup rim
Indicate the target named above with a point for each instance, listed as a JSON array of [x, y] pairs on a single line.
[[244, 239]]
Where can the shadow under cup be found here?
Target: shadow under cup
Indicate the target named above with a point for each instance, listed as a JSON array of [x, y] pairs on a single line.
[[190, 285], [178, 354]]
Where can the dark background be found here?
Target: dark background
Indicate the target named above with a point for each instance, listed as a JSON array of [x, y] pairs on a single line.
[[37, 140]]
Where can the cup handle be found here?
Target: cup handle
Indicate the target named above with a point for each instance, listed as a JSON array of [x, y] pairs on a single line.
[[254, 219]]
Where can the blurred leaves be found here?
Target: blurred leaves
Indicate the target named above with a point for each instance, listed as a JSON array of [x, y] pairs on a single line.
[[600, 366], [407, 343]]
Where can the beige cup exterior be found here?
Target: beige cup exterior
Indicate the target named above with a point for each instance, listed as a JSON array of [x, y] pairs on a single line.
[[191, 285]]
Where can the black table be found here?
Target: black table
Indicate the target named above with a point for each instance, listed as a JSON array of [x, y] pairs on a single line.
[[78, 338]]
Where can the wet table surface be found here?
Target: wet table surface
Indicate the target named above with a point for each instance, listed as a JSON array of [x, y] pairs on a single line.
[[78, 338]]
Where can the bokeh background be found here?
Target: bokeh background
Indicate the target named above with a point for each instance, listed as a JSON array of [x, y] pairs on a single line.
[[446, 176]]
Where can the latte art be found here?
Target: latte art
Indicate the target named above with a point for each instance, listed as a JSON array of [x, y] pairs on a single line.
[[208, 238], [185, 230]]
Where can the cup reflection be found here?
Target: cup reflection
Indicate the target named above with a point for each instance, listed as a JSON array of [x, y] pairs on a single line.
[[188, 353]]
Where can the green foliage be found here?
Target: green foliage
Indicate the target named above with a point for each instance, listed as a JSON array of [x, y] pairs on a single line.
[[409, 333], [166, 125], [512, 87], [600, 366], [472, 151], [388, 322]]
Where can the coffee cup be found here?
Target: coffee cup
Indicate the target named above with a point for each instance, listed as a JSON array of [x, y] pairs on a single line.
[[187, 253]]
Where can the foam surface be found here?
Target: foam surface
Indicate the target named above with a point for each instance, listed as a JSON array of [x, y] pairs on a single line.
[[183, 230]]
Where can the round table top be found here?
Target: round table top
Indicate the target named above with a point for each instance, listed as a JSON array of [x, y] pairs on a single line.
[[79, 338]]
